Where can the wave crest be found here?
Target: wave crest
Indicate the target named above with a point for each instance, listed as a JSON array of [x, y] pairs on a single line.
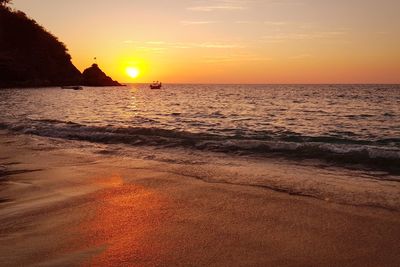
[[382, 153]]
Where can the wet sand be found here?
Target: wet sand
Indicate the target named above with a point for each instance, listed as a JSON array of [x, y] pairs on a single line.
[[69, 207]]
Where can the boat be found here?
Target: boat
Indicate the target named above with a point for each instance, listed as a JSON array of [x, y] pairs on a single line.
[[72, 87], [156, 85]]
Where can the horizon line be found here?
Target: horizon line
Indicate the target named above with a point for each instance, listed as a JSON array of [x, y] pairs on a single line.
[[198, 83]]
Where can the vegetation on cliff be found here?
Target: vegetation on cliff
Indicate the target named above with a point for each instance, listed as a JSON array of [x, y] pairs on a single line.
[[4, 2], [30, 56]]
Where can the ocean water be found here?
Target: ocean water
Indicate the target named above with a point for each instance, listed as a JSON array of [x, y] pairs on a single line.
[[348, 124]]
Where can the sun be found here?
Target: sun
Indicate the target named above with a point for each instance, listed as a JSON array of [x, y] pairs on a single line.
[[132, 72]]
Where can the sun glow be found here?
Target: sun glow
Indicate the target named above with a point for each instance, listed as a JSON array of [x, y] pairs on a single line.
[[132, 72]]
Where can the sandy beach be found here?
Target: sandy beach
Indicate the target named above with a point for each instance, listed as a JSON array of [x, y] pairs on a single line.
[[199, 133], [69, 207]]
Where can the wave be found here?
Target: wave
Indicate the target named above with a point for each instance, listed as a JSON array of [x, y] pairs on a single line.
[[384, 153]]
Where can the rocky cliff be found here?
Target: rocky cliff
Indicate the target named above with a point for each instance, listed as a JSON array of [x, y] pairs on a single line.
[[94, 76], [30, 56]]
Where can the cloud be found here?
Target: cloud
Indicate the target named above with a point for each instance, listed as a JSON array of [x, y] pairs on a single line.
[[162, 45], [147, 48], [204, 45], [287, 2], [302, 56], [276, 23], [191, 22], [214, 8], [303, 36], [235, 58], [218, 45], [245, 22], [180, 46], [153, 50], [155, 42], [223, 5]]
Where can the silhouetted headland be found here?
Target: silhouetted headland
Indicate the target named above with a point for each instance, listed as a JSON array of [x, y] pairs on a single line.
[[30, 56], [94, 76]]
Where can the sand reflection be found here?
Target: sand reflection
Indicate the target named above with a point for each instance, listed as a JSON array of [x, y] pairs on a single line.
[[122, 221]]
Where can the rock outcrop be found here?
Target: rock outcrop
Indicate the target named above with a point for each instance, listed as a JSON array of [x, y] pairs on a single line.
[[94, 76]]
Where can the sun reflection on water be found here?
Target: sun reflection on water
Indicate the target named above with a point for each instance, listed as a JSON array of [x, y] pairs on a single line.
[[122, 221]]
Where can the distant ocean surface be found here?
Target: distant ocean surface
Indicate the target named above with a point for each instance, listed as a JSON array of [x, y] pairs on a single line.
[[345, 123]]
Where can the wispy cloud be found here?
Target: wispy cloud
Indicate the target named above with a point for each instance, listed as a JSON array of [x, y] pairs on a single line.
[[235, 58], [245, 22], [214, 8], [276, 23], [301, 56], [162, 45], [215, 45], [303, 36], [151, 49], [155, 42], [222, 5], [194, 22], [218, 45], [287, 2]]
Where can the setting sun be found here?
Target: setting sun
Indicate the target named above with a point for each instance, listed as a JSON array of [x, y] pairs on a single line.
[[132, 72]]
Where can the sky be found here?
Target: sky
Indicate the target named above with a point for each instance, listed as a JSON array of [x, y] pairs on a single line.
[[229, 41]]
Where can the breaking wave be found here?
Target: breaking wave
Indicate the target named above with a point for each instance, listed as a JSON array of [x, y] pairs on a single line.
[[384, 153]]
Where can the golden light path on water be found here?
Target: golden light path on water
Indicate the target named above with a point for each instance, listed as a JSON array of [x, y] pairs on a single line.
[[122, 222]]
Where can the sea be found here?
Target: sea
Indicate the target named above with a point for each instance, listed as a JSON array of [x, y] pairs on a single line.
[[354, 123], [355, 128]]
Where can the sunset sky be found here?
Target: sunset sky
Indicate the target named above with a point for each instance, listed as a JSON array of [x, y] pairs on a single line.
[[229, 41]]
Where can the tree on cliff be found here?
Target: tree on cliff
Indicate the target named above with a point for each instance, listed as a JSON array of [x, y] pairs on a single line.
[[4, 2], [30, 55]]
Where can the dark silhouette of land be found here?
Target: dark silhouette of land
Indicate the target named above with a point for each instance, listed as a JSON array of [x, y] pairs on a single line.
[[30, 56], [94, 76]]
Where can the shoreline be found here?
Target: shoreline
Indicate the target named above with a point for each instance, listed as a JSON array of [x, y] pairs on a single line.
[[72, 207], [372, 156]]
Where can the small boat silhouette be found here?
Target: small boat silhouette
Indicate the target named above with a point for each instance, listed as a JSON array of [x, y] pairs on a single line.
[[156, 85]]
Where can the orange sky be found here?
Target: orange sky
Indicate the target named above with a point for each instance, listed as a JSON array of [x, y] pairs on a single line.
[[229, 41]]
